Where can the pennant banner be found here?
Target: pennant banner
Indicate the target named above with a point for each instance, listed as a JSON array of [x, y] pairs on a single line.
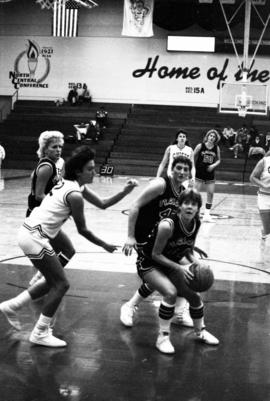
[[138, 18]]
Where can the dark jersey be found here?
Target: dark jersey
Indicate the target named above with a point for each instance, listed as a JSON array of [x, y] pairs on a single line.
[[180, 242], [162, 206], [32, 202], [205, 158]]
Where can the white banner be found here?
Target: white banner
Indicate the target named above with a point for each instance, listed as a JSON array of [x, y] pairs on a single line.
[[138, 18]]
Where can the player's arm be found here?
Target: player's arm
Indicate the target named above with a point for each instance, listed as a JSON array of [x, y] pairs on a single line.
[[75, 200], [196, 152], [44, 173], [103, 203], [165, 230], [256, 174], [163, 162], [193, 170], [155, 188], [217, 162]]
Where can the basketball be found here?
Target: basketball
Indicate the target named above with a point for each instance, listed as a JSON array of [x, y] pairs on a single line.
[[203, 277]]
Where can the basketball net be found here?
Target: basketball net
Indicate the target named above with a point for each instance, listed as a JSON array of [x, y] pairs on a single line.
[[47, 4]]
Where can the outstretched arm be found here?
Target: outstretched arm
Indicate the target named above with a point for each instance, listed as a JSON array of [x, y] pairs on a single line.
[[104, 203], [164, 162], [76, 203]]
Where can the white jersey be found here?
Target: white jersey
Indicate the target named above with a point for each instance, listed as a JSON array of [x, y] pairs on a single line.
[[265, 175], [54, 209], [175, 151]]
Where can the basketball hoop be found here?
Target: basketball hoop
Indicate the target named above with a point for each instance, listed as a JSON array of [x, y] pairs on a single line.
[[242, 111]]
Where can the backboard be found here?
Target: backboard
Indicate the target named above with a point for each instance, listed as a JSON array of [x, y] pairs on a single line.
[[243, 98]]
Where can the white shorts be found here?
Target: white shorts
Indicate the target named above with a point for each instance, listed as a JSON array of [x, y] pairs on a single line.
[[263, 201], [34, 243]]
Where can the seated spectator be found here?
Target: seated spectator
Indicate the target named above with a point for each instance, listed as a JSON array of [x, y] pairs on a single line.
[[102, 117], [84, 95], [73, 97], [81, 131], [257, 147], [267, 141], [241, 142], [228, 136]]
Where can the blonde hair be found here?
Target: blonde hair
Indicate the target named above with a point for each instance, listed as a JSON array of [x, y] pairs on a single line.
[[212, 131], [46, 138]]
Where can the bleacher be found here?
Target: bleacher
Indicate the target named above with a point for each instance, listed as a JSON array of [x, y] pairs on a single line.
[[149, 129], [20, 131], [135, 140]]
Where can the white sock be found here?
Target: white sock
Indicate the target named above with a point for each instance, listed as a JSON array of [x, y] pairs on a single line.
[[43, 323], [181, 304], [20, 300], [136, 299]]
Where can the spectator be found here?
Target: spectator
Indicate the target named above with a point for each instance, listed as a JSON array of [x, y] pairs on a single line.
[[102, 117], [2, 154], [228, 136], [241, 142], [257, 147], [81, 131], [267, 141], [84, 95], [73, 97]]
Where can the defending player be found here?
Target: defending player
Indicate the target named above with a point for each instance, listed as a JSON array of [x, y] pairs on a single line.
[[158, 200], [207, 158], [163, 263], [43, 224], [260, 177]]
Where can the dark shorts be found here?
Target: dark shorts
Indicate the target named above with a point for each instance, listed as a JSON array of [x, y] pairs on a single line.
[[205, 176]]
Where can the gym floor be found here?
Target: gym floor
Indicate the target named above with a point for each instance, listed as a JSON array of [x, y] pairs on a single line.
[[105, 361]]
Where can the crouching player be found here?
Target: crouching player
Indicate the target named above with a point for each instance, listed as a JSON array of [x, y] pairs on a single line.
[[164, 262]]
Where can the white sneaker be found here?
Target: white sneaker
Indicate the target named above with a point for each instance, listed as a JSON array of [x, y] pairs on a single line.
[[46, 339], [207, 338], [207, 218], [11, 315], [182, 318], [35, 278], [263, 236], [164, 345], [127, 314]]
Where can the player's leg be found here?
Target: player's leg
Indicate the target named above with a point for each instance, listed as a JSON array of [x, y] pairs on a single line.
[[196, 307], [63, 248], [129, 309], [264, 211], [210, 189], [57, 285], [161, 283]]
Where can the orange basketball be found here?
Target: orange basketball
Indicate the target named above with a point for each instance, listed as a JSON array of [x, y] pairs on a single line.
[[203, 277]]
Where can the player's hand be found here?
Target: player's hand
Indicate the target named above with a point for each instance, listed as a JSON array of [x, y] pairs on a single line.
[[128, 246], [188, 275], [130, 185], [109, 247]]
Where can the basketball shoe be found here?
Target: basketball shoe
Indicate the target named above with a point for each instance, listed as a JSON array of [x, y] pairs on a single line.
[[46, 338], [127, 314], [163, 343], [182, 318], [205, 337], [10, 314]]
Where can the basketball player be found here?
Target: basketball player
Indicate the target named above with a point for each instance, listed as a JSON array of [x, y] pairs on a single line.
[[158, 200], [260, 177], [163, 263], [49, 169], [37, 233], [178, 148], [207, 158]]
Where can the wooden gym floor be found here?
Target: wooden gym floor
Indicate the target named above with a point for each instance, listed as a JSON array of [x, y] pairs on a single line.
[[105, 361]]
